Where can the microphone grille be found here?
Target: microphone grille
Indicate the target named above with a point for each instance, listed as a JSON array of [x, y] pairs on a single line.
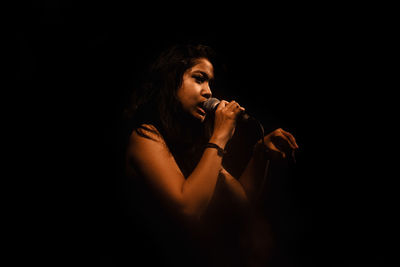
[[210, 104]]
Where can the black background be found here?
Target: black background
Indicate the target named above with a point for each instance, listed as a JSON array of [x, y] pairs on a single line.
[[320, 72]]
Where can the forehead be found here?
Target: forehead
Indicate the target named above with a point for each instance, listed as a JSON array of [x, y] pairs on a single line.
[[203, 65]]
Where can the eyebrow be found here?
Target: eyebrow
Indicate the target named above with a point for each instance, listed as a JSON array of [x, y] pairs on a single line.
[[205, 74]]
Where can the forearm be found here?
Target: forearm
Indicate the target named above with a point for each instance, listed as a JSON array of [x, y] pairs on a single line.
[[199, 187], [253, 175]]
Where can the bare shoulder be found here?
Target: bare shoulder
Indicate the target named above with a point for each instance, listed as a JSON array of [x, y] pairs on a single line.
[[146, 143], [146, 131]]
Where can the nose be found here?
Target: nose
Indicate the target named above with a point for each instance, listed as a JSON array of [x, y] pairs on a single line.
[[206, 91]]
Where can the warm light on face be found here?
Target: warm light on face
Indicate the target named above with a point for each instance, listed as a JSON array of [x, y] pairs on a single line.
[[195, 88]]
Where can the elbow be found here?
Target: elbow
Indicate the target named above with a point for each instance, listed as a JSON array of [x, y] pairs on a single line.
[[190, 213], [191, 207], [185, 211]]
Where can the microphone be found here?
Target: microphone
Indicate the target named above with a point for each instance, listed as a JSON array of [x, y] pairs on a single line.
[[211, 105]]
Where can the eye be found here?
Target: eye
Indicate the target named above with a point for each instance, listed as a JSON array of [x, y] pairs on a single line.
[[199, 78]]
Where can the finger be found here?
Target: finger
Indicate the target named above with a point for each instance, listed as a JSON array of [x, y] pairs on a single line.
[[239, 107], [276, 151], [222, 104], [235, 107], [283, 139], [291, 138], [282, 142], [231, 105]]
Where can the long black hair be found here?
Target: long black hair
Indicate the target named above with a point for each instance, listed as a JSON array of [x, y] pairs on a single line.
[[155, 102]]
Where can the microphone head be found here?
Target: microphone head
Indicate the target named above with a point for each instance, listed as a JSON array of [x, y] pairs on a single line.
[[210, 105]]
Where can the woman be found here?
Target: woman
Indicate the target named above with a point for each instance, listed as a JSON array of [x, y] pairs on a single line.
[[185, 197]]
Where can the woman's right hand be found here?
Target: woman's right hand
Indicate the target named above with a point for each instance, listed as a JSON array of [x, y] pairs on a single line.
[[226, 116]]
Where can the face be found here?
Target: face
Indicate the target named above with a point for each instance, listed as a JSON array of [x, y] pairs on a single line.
[[195, 89]]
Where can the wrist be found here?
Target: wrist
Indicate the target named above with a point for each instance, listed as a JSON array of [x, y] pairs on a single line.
[[221, 142], [221, 151]]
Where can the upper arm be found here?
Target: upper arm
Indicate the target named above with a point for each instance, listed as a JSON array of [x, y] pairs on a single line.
[[152, 158]]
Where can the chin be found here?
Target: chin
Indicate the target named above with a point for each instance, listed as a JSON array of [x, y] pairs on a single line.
[[199, 117]]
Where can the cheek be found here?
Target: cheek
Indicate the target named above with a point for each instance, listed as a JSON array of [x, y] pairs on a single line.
[[187, 94], [184, 98], [181, 93]]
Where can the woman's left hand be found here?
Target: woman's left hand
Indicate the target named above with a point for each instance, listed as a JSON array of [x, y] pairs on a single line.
[[278, 144]]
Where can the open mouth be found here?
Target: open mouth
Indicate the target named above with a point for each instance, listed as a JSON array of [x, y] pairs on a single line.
[[201, 111]]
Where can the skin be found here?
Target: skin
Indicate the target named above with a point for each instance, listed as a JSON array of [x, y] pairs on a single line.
[[195, 88], [190, 197]]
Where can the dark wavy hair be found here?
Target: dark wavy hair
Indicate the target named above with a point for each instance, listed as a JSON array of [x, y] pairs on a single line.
[[155, 102]]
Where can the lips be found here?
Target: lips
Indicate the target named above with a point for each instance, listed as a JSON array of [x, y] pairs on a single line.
[[201, 111]]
